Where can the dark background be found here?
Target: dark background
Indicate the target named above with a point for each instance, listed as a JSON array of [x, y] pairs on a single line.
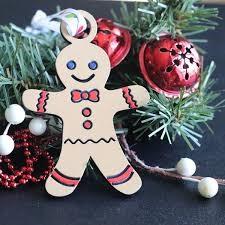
[[159, 202]]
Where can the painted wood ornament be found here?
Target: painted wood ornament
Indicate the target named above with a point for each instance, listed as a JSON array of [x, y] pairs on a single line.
[[87, 109]]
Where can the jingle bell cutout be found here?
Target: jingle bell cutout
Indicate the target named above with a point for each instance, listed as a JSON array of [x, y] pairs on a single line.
[[87, 109], [169, 65]]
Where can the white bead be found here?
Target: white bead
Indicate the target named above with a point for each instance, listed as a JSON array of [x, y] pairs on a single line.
[[208, 187], [6, 144], [37, 126], [186, 167], [15, 114]]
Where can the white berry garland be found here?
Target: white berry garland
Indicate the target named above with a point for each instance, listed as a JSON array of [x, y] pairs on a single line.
[[15, 115], [208, 187], [186, 167], [6, 144], [37, 126], [184, 170]]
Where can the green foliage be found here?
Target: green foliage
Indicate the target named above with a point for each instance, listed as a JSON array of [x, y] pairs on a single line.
[[147, 20], [181, 116], [169, 117], [26, 62]]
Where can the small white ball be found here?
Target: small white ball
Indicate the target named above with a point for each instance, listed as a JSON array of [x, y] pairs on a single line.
[[6, 144], [15, 114], [186, 167], [37, 126], [208, 187]]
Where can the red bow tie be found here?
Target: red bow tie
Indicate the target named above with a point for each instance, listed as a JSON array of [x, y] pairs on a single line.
[[78, 95]]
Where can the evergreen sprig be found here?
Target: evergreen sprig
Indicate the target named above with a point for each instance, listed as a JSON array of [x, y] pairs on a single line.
[[182, 116], [178, 17], [26, 62]]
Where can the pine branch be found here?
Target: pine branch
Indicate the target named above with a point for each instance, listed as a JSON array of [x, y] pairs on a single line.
[[26, 62], [182, 116], [148, 20]]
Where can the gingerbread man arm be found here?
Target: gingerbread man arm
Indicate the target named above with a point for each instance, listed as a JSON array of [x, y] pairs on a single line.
[[130, 97], [39, 101]]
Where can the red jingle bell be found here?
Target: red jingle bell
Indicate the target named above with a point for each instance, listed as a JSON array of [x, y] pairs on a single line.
[[169, 65], [115, 40]]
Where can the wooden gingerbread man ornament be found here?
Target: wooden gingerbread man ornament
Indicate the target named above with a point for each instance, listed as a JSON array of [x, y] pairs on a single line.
[[87, 109]]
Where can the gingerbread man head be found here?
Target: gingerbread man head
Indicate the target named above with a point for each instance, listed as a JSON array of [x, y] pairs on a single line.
[[83, 64]]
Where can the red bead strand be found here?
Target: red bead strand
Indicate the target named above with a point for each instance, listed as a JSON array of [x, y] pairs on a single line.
[[10, 175]]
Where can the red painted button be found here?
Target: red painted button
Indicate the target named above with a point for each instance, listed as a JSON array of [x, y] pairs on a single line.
[[86, 112], [87, 124], [84, 95]]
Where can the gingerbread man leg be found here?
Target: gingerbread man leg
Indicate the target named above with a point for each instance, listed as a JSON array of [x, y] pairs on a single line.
[[68, 171], [117, 170]]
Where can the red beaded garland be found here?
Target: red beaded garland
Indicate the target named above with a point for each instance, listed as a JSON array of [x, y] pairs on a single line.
[[10, 175]]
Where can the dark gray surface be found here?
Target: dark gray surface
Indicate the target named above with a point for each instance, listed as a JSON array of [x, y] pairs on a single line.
[[160, 202]]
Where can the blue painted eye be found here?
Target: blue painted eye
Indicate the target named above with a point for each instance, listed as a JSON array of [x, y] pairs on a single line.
[[71, 65], [93, 65]]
